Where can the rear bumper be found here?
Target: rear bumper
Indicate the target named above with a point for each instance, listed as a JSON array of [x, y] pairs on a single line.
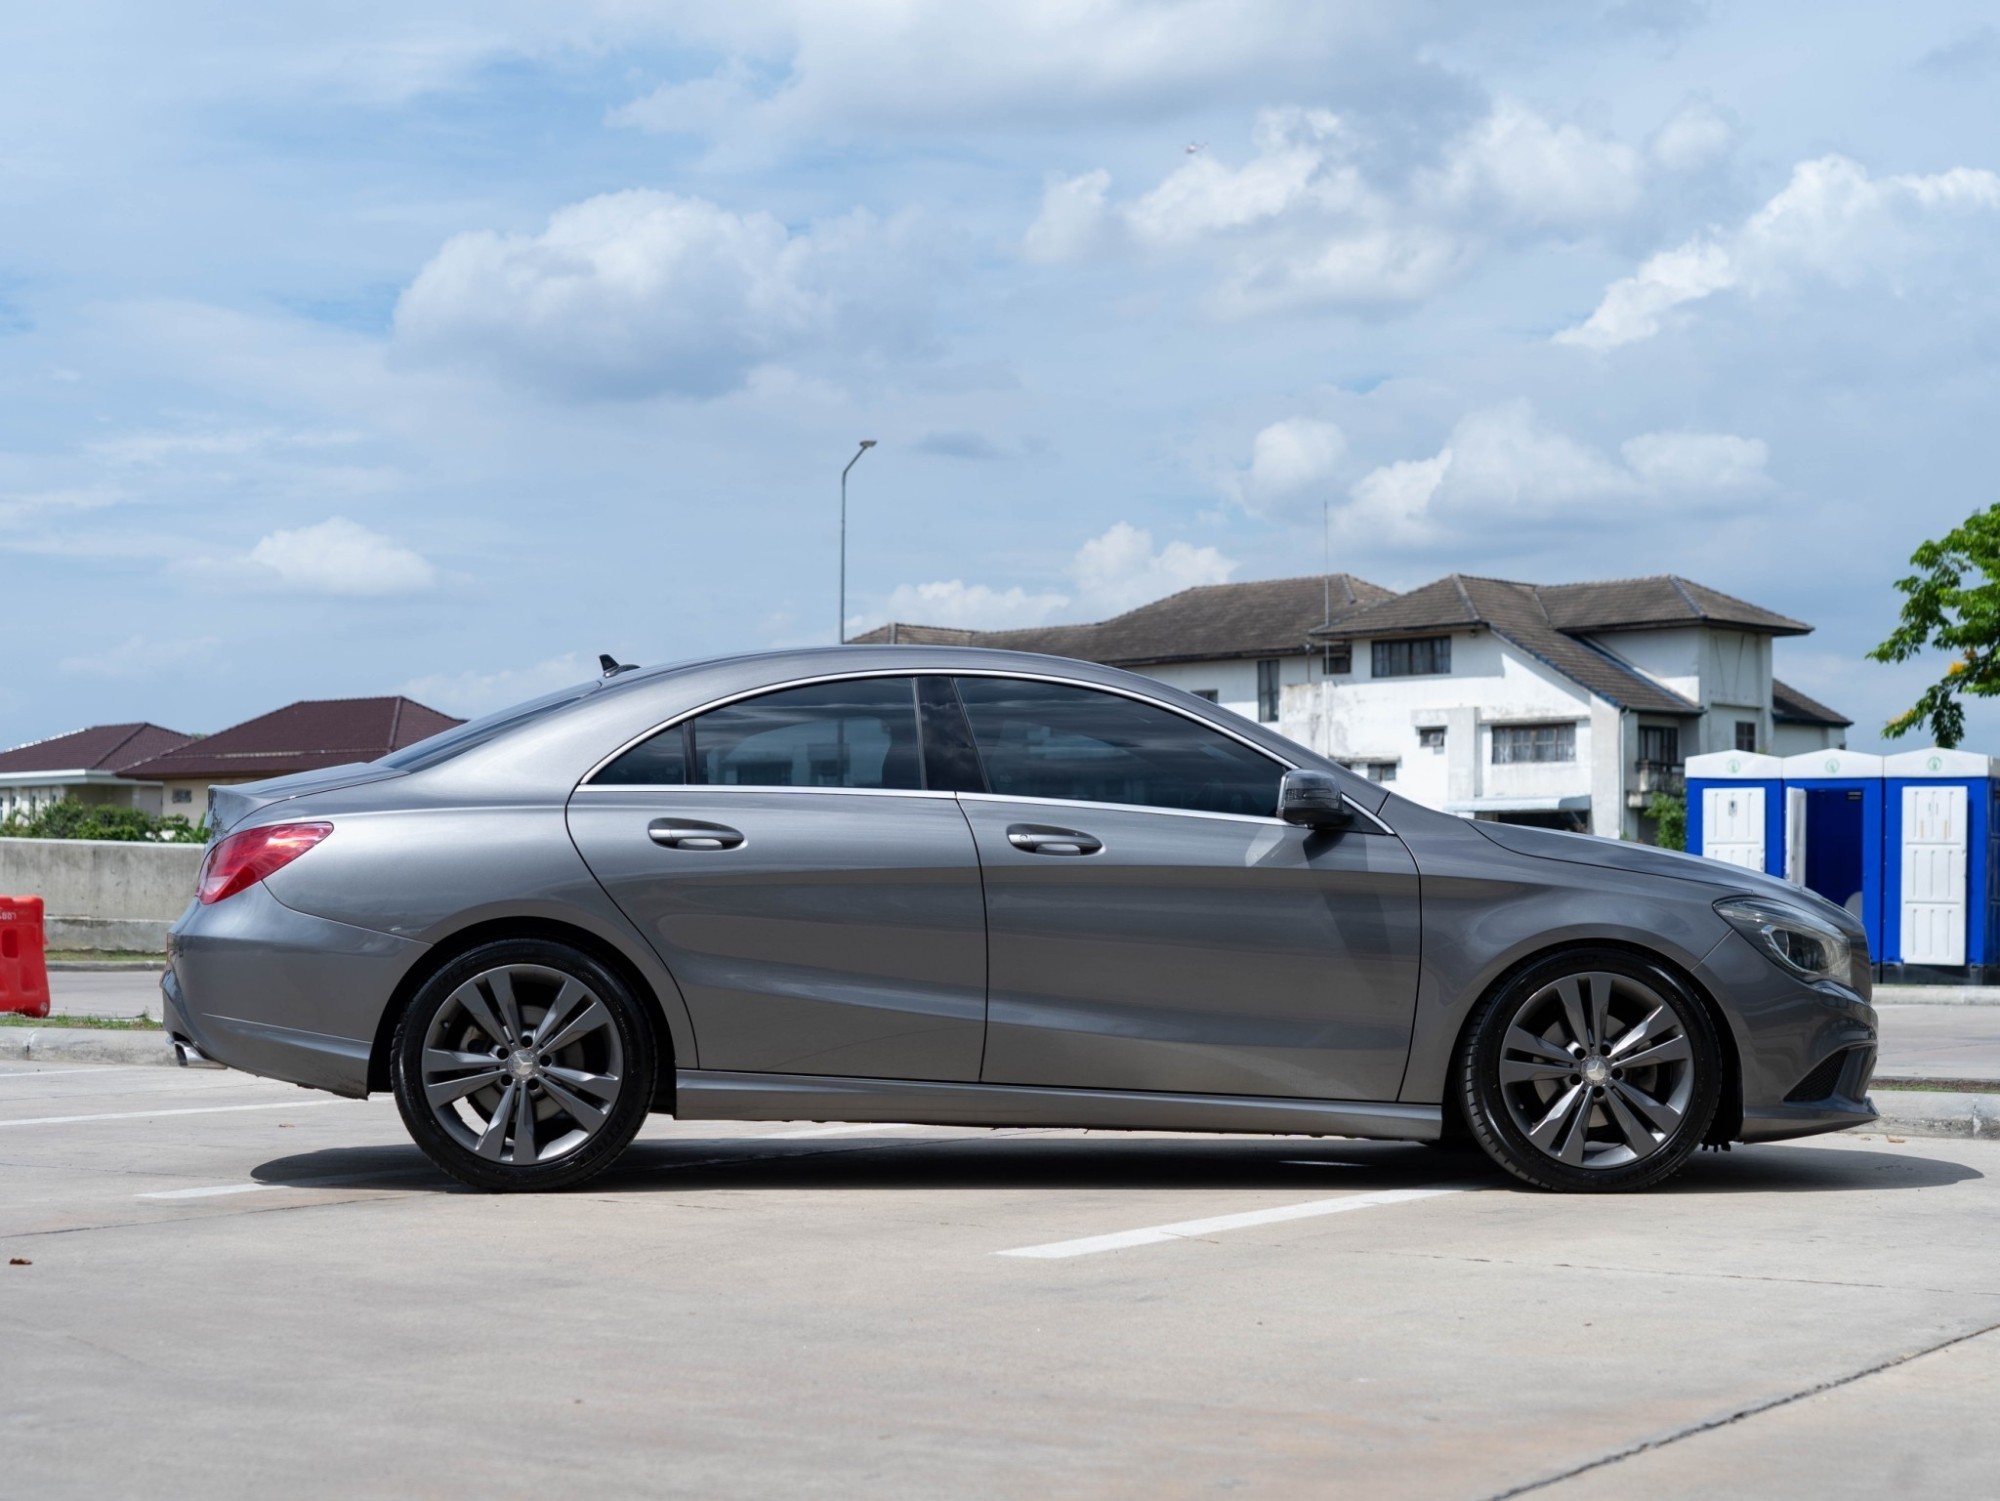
[[256, 986]]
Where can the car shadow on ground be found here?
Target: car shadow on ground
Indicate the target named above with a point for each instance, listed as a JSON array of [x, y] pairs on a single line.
[[1011, 1161]]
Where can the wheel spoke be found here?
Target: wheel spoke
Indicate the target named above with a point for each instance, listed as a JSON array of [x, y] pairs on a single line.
[[1672, 1050], [473, 1001], [501, 982], [1545, 1132], [594, 1016], [445, 1091], [1659, 1019], [567, 999], [443, 1061], [493, 1140], [1637, 1136], [1597, 986], [1521, 1071], [1521, 1040], [525, 1152], [1570, 988], [581, 1111], [1664, 1117], [600, 1086]]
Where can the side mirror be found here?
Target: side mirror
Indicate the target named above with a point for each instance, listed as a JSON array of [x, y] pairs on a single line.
[[1312, 798]]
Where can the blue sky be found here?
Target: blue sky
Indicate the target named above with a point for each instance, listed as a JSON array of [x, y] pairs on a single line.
[[435, 348]]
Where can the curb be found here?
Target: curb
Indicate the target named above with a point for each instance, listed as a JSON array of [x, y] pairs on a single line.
[[1926, 1112], [84, 1045], [103, 966], [1937, 995]]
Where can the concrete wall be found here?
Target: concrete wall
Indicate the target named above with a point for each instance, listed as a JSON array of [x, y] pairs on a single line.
[[102, 894]]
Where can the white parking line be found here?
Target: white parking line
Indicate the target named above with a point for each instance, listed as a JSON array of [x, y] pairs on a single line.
[[1153, 1235], [31, 1072], [145, 1115], [210, 1193]]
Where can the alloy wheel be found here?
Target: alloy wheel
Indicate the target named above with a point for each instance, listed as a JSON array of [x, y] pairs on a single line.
[[522, 1065]]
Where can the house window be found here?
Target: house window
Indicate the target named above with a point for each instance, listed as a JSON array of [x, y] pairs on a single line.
[[1337, 658], [1207, 693], [1746, 734], [1375, 771], [183, 794], [1267, 691], [1659, 745], [1427, 656], [1431, 737], [1518, 744]]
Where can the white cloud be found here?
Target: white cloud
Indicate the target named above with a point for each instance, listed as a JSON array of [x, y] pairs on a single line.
[[341, 557], [1110, 574], [142, 656], [1831, 220], [470, 693], [1695, 136], [642, 292], [1502, 467], [1289, 458], [1312, 220]]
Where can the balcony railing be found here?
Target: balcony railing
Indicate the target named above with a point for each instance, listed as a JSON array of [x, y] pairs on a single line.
[[1659, 776]]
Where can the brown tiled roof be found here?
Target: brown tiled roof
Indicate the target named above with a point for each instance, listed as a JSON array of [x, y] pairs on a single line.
[[1516, 612], [300, 737], [1793, 707], [1651, 603], [102, 747], [1269, 617]]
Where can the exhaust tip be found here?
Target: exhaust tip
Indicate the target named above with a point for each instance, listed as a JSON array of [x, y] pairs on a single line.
[[187, 1055]]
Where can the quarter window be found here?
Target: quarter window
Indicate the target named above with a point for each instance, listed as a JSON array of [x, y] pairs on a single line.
[[1427, 656], [1051, 740], [861, 733], [1516, 744]]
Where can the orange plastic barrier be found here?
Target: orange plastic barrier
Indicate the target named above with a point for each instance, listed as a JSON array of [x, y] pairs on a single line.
[[24, 970]]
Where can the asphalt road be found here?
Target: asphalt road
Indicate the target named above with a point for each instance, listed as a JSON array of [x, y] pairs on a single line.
[[240, 1289], [1933, 1042]]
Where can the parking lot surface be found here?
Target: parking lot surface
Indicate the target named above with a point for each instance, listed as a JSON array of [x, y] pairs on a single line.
[[237, 1288]]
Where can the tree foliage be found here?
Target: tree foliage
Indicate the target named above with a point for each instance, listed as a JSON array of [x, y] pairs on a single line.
[[1945, 612], [1669, 813], [72, 820]]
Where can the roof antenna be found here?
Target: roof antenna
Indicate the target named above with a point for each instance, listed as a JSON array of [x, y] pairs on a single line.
[[612, 666]]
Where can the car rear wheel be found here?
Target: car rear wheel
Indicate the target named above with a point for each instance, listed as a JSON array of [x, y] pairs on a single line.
[[1591, 1071], [522, 1065]]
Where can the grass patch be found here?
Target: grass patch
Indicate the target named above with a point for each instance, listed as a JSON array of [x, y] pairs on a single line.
[[1937, 1086], [93, 1023]]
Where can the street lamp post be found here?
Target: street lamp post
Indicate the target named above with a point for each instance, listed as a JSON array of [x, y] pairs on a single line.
[[866, 444]]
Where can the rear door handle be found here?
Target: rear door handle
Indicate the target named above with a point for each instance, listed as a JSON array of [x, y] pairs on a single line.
[[691, 834], [1045, 839]]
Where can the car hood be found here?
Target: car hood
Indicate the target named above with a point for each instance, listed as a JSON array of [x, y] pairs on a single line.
[[231, 805], [1614, 854]]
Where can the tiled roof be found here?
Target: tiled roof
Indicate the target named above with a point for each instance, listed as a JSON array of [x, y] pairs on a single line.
[[1651, 603], [1793, 707], [300, 737], [1270, 617], [102, 747]]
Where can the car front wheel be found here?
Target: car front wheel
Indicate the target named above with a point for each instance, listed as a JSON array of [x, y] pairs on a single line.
[[523, 1065], [1591, 1071]]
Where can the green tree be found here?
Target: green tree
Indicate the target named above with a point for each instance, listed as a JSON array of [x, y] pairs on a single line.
[[1942, 610], [1670, 820]]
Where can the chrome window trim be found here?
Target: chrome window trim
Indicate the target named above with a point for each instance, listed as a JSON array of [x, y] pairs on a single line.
[[704, 788]]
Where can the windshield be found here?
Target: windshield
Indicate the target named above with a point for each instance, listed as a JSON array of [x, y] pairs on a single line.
[[453, 742]]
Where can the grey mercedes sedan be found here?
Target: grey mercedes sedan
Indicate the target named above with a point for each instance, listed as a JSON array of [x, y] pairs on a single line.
[[981, 888]]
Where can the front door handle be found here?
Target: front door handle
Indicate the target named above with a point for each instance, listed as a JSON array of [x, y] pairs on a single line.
[[1045, 839], [691, 834]]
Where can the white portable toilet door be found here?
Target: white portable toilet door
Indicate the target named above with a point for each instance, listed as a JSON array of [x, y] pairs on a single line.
[[1732, 825], [1795, 835], [1934, 875]]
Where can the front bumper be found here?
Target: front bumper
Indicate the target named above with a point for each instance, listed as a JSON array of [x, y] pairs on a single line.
[[1787, 1034], [252, 984]]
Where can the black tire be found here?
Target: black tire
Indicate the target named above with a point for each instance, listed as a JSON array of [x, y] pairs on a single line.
[[1590, 1124], [484, 1097]]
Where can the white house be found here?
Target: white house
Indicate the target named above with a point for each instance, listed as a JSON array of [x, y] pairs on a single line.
[[1566, 704], [83, 766]]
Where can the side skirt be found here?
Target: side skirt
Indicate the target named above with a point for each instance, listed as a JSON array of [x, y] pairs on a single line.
[[704, 1094]]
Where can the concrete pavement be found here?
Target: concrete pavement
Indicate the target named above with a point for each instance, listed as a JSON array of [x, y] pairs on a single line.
[[241, 1289]]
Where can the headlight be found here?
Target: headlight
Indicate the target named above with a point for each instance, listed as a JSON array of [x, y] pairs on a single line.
[[1793, 938]]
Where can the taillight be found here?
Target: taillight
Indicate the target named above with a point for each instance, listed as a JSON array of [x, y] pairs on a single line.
[[245, 859]]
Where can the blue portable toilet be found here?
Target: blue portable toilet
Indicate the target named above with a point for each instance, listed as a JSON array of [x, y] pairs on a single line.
[[1736, 809], [1833, 831], [1939, 856]]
